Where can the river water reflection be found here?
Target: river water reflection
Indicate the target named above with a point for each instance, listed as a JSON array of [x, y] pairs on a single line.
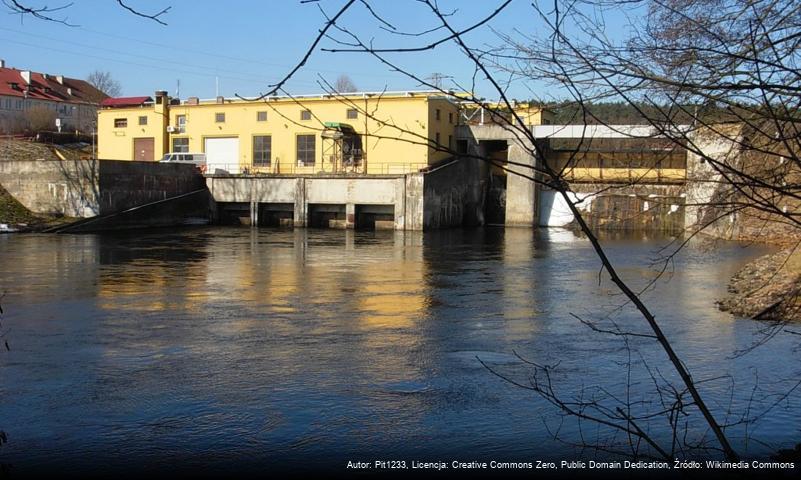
[[228, 346]]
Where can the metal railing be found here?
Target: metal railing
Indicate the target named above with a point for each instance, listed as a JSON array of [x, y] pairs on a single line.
[[372, 168]]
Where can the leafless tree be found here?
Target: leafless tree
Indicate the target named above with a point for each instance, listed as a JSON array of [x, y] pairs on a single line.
[[104, 82], [40, 119], [738, 97], [344, 84], [58, 13]]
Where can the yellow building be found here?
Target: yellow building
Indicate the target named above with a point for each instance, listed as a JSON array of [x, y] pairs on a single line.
[[373, 133]]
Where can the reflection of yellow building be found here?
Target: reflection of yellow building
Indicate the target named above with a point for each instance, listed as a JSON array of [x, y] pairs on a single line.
[[395, 132]]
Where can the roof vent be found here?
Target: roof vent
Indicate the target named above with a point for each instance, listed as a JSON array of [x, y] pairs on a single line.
[[26, 76], [2, 63], [220, 99], [60, 79], [193, 101], [69, 91]]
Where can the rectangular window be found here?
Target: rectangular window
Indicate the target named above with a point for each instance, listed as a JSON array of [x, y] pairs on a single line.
[[450, 118], [306, 144], [261, 116], [450, 142], [120, 122], [180, 145], [180, 121], [437, 114], [305, 115], [219, 118], [436, 139], [262, 146], [142, 120], [352, 113]]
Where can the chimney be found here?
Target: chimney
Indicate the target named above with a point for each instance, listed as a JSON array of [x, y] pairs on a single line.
[[220, 99], [69, 91], [26, 76], [60, 79], [2, 63], [192, 101]]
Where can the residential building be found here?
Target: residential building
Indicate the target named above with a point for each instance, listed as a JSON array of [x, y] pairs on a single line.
[[363, 133], [25, 94]]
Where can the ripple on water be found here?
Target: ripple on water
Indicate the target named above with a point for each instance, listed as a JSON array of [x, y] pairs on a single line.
[[490, 358]]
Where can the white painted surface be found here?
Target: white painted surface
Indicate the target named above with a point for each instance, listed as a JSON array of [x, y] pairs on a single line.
[[554, 210], [222, 154]]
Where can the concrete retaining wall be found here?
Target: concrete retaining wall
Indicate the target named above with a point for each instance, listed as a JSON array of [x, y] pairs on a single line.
[[86, 188], [188, 209], [454, 195]]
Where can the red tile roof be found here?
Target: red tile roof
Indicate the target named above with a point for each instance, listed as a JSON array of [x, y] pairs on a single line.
[[125, 101], [47, 87]]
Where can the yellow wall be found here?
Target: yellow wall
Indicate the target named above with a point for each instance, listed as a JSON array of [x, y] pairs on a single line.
[[397, 131], [117, 143]]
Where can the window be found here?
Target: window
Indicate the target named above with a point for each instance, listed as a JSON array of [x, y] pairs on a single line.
[[143, 120], [261, 116], [180, 120], [180, 145], [450, 142], [436, 139], [437, 114], [120, 122], [306, 144], [262, 145], [450, 118], [305, 115], [352, 113], [219, 118]]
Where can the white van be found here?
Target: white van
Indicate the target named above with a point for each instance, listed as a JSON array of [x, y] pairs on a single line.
[[197, 159]]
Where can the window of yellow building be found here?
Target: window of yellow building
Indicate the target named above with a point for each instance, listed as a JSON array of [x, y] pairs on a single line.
[[305, 150], [261, 116], [262, 146], [120, 122], [305, 115], [180, 120], [437, 114], [352, 113], [219, 118], [180, 145], [142, 120]]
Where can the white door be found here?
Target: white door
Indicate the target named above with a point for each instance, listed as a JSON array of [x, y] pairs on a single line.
[[222, 155]]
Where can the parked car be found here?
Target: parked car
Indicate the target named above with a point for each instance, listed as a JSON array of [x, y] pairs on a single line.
[[197, 159]]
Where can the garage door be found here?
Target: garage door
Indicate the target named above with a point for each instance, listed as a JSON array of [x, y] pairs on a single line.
[[222, 155]]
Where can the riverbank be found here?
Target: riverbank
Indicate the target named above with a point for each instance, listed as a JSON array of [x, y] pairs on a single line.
[[768, 288]]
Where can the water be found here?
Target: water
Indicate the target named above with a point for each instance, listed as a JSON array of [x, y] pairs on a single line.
[[240, 348]]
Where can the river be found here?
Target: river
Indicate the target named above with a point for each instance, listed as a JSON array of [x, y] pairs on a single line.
[[237, 347]]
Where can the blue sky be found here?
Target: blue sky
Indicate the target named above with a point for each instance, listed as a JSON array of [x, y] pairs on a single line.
[[245, 45]]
